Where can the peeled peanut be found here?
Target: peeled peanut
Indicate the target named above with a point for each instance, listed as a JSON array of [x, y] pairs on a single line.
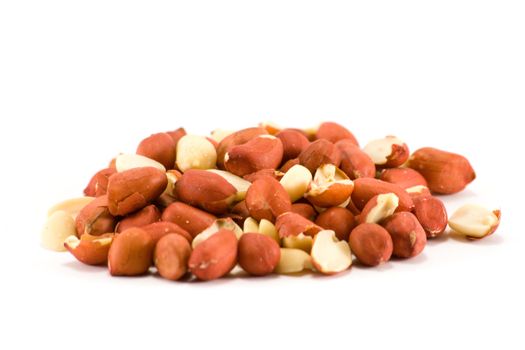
[[171, 256], [301, 241], [293, 261], [220, 134], [264, 227], [475, 221], [296, 181], [330, 255], [258, 254], [57, 228], [330, 187], [388, 152], [379, 208], [125, 162], [195, 152], [267, 228], [71, 206]]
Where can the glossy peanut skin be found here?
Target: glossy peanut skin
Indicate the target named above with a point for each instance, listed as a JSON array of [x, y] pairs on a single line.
[[191, 219], [157, 230], [171, 255], [206, 190], [335, 132], [159, 147], [131, 253], [258, 254], [403, 177], [267, 199], [214, 257], [407, 234], [340, 220], [134, 189], [371, 244], [237, 138], [354, 162], [257, 154], [143, 217], [98, 185], [431, 214], [445, 172], [318, 153], [294, 142]]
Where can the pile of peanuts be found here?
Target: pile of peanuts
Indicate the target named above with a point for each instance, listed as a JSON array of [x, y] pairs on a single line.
[[271, 200]]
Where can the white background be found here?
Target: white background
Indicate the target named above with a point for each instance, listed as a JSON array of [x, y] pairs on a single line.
[[82, 81]]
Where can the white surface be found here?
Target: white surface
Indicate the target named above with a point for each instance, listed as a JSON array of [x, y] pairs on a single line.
[[81, 82]]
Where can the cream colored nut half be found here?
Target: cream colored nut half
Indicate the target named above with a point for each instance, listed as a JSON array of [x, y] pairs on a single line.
[[296, 181], [299, 242], [71, 206], [195, 152], [473, 220], [417, 189], [130, 161], [59, 226], [293, 261], [325, 176], [330, 255], [264, 227], [219, 134], [379, 150], [386, 205]]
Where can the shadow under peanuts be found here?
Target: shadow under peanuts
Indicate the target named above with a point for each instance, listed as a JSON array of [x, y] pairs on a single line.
[[492, 240], [78, 266]]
